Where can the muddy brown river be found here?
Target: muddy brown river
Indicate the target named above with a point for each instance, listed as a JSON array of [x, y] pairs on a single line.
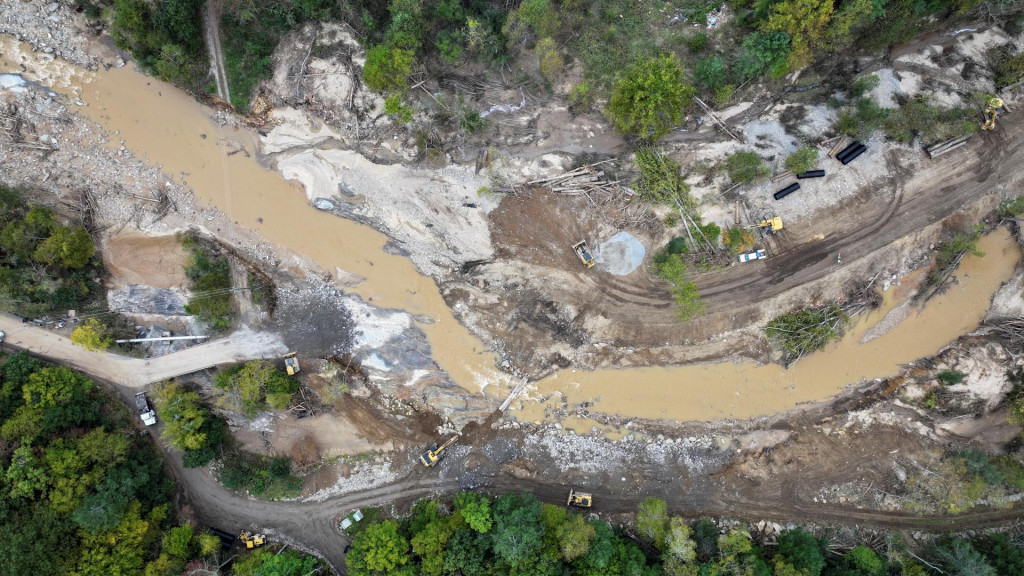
[[162, 125]]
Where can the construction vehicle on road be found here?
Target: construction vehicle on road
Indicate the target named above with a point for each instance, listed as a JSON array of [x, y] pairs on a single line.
[[434, 454], [291, 363], [147, 414], [992, 111], [583, 251], [580, 499], [771, 226], [252, 541]]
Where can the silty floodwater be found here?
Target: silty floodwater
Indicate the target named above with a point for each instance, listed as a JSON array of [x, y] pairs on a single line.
[[162, 125]]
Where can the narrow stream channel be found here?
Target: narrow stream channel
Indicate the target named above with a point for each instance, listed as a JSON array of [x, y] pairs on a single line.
[[162, 125]]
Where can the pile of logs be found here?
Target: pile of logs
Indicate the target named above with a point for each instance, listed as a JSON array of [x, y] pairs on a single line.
[[947, 146], [582, 181]]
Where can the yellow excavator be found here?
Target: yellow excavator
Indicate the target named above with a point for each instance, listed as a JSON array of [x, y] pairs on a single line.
[[252, 541], [772, 225], [434, 454], [992, 112]]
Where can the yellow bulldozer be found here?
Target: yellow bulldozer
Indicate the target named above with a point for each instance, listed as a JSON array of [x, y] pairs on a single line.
[[771, 226], [583, 252], [252, 541], [580, 499], [434, 454], [992, 112], [291, 363]]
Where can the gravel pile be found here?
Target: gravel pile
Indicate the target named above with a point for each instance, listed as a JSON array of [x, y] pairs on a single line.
[[50, 27]]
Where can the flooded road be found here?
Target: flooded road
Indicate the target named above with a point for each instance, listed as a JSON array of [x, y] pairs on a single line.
[[164, 126]]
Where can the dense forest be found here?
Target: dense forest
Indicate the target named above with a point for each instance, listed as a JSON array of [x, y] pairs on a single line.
[[84, 492], [46, 266], [608, 41], [515, 534]]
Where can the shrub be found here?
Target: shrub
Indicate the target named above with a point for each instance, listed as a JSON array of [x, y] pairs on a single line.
[[802, 160], [697, 43], [863, 85], [862, 119], [738, 240], [650, 98], [932, 124], [951, 377], [210, 276], [397, 109], [710, 73], [745, 166], [387, 69], [581, 98], [763, 53], [1009, 71], [723, 95]]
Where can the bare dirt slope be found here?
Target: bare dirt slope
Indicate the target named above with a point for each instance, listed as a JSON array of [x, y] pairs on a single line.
[[243, 344]]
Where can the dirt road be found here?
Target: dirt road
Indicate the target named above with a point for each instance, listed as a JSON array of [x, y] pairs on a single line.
[[639, 311], [313, 525], [243, 344], [211, 17]]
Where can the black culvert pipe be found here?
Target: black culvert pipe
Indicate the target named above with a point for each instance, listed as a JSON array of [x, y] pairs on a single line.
[[849, 158], [846, 151], [811, 174], [787, 191]]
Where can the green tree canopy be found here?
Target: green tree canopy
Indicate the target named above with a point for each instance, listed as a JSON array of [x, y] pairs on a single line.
[[183, 416], [67, 247], [387, 69], [476, 509], [652, 521], [93, 335], [802, 550], [517, 531], [650, 98], [379, 549]]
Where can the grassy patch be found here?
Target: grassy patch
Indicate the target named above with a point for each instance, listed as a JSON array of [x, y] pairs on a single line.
[[210, 276]]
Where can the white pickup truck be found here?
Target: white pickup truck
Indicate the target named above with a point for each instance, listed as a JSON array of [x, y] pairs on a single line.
[[147, 415]]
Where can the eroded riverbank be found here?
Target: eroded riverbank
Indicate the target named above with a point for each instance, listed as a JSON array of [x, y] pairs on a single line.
[[218, 162]]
